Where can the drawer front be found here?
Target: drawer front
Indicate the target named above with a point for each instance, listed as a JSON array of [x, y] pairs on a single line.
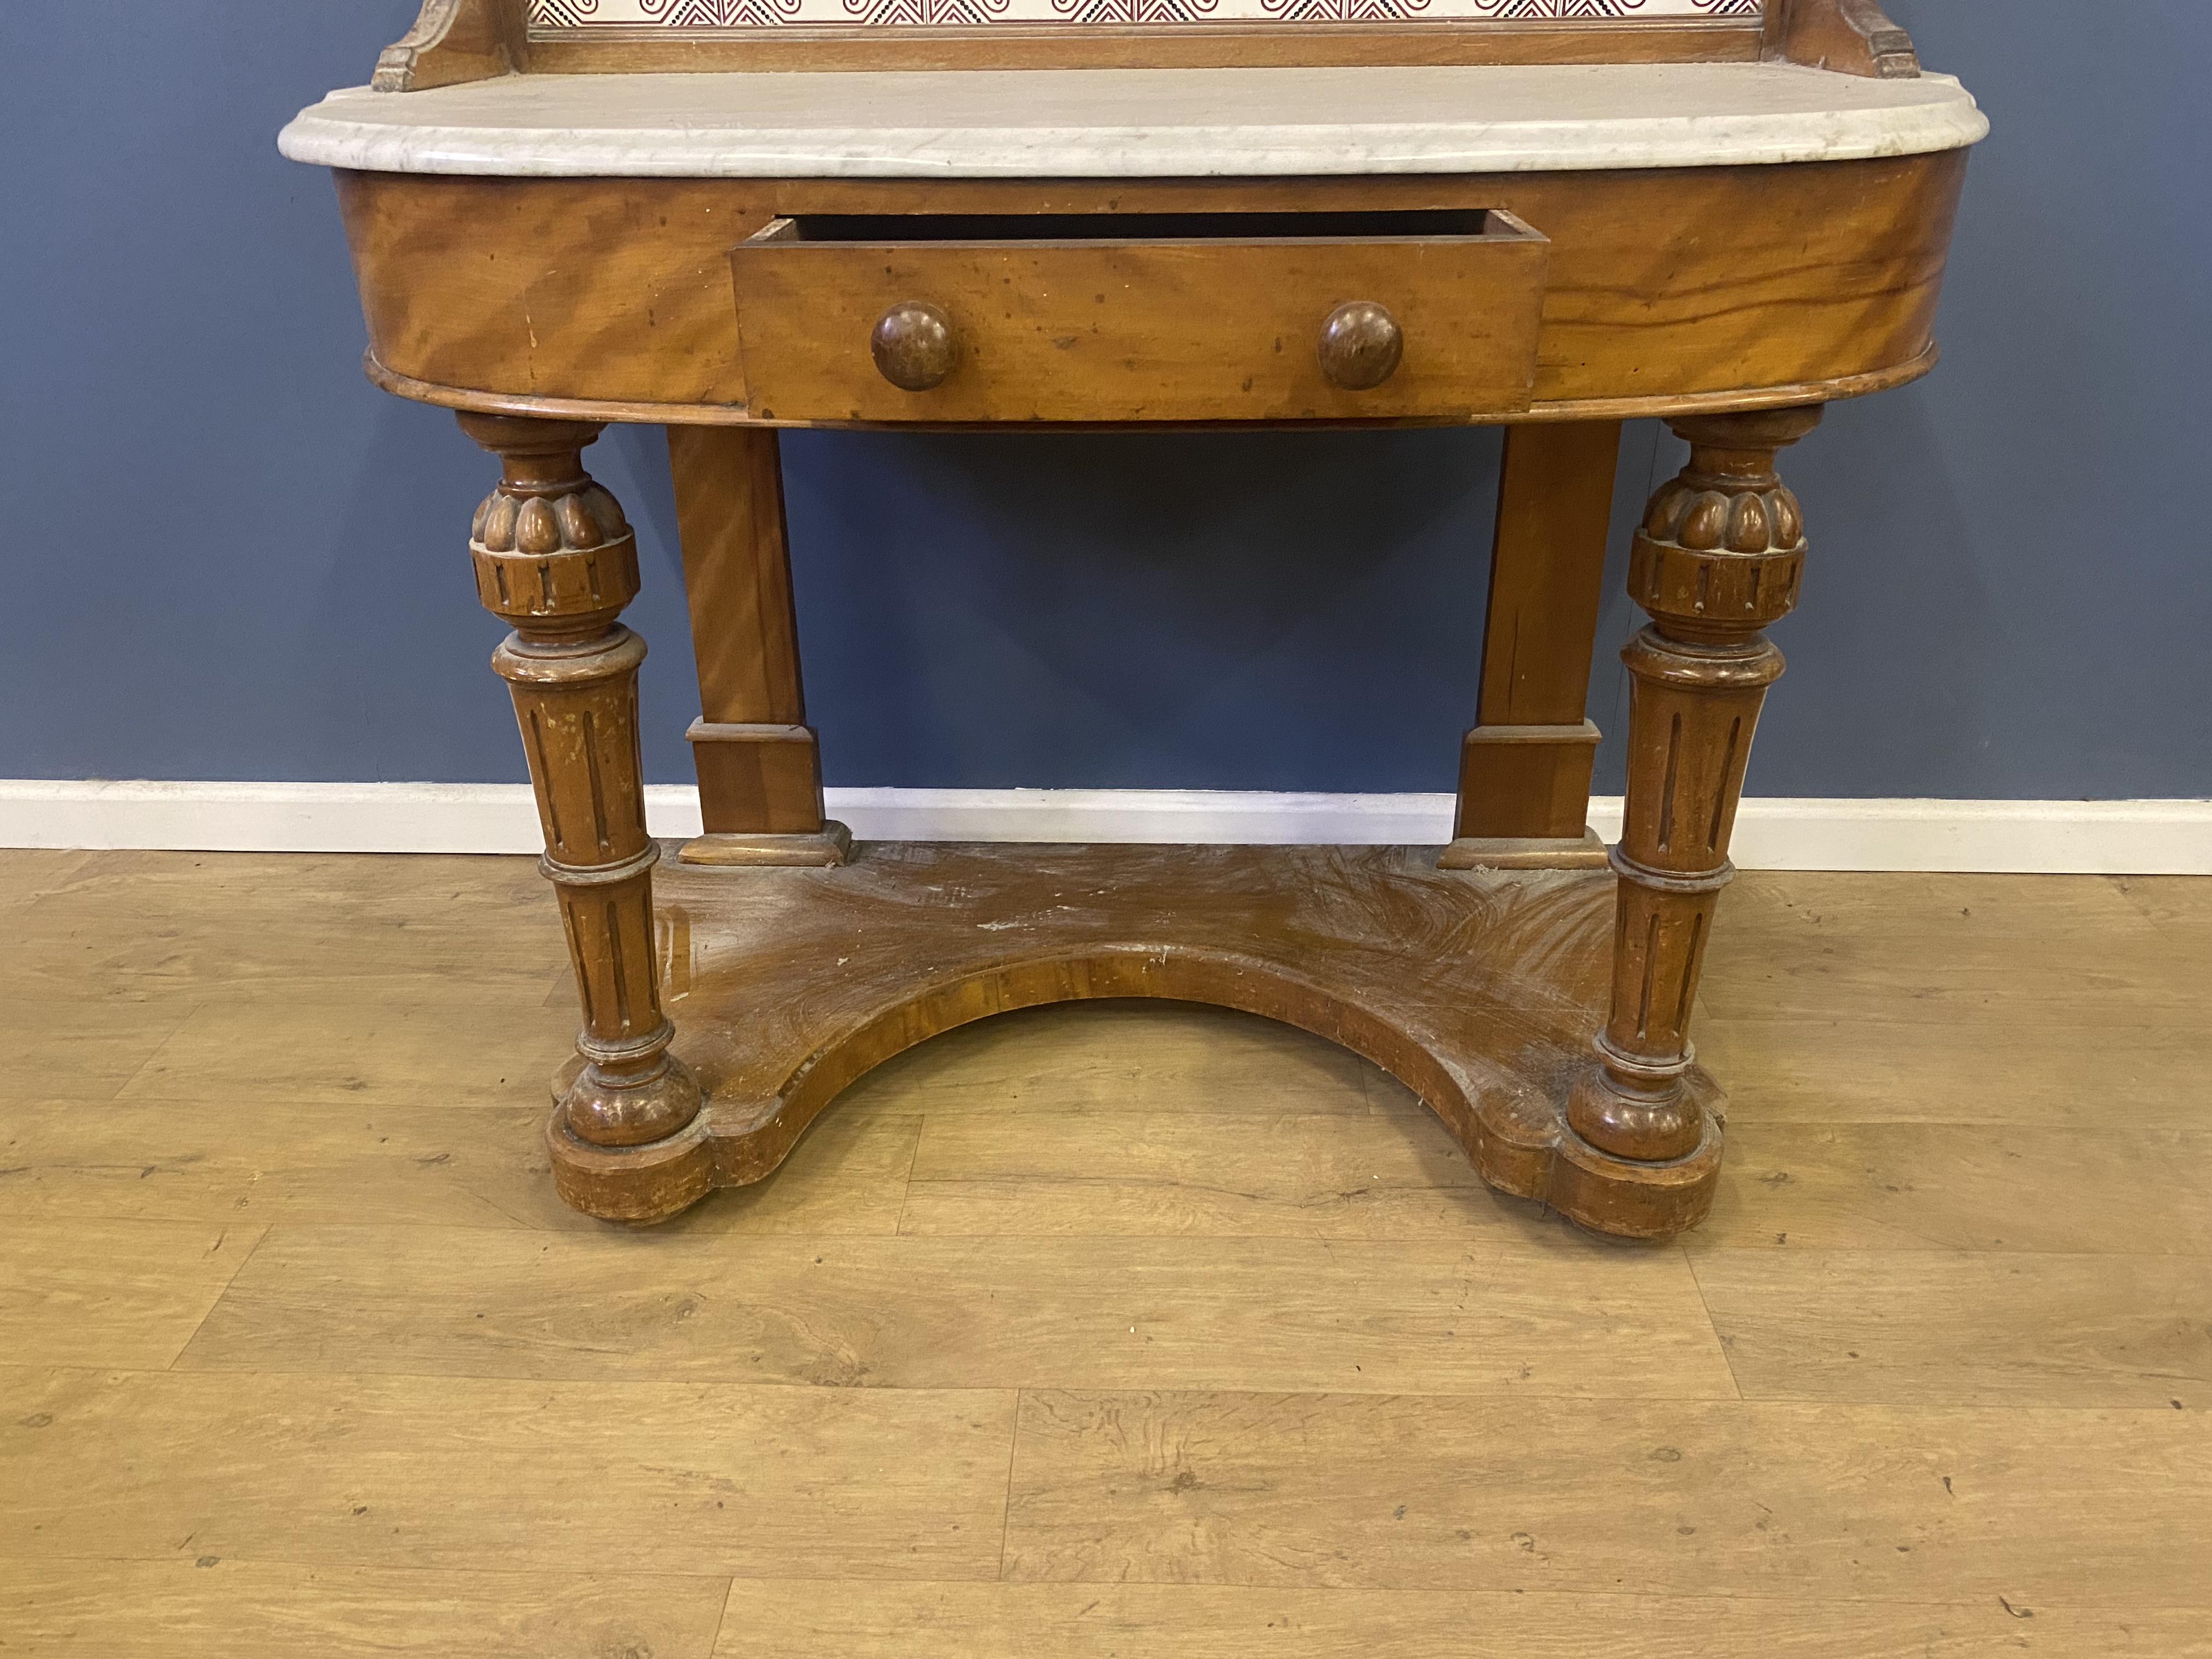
[[1427, 315]]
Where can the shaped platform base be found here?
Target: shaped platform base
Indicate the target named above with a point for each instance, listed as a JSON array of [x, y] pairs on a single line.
[[1479, 990]]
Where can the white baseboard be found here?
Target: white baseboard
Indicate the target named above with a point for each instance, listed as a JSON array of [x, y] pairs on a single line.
[[2138, 837]]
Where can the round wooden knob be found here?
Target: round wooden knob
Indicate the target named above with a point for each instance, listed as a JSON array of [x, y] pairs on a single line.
[[911, 345], [1360, 345]]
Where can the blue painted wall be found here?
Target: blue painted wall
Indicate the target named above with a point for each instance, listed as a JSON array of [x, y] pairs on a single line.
[[226, 556]]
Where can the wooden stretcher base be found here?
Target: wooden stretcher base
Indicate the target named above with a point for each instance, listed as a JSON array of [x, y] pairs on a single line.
[[1480, 989]]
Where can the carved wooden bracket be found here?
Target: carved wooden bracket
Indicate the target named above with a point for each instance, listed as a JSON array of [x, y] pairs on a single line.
[[1851, 37], [456, 40]]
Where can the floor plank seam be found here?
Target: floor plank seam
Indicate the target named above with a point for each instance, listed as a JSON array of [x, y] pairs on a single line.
[[722, 1619], [1013, 1452], [200, 1325], [1225, 1587], [1920, 1407], [906, 1186], [191, 1012], [1689, 1260], [564, 1572]]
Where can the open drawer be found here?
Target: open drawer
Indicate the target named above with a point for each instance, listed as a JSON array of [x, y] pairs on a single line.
[[1428, 313]]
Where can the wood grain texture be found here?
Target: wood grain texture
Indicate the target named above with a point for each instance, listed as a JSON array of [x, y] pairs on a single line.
[[28, 872], [418, 1472], [1744, 1498], [126, 1293], [1901, 1185], [873, 1620], [1546, 574], [1716, 560], [2071, 1530], [58, 1047], [205, 1604], [1320, 1176], [737, 575], [1525, 768], [198, 927], [1106, 1057], [454, 41], [1898, 1328], [759, 770], [514, 291], [1848, 37], [1199, 319], [555, 560], [416, 1162], [1985, 1067], [1503, 1315], [2182, 904], [646, 412], [793, 983], [1973, 952], [395, 1051]]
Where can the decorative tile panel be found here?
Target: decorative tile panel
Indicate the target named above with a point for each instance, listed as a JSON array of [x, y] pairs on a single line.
[[575, 17]]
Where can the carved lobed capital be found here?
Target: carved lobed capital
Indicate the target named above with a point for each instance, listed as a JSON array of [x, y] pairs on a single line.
[[553, 562], [1722, 548], [554, 556]]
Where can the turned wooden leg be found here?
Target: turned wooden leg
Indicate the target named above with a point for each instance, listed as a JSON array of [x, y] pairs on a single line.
[[1717, 558], [760, 774], [555, 558], [1524, 778]]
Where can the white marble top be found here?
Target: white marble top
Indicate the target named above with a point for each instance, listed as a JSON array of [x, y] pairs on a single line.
[[976, 124]]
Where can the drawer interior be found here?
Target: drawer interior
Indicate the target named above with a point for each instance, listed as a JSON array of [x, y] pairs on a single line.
[[1413, 224]]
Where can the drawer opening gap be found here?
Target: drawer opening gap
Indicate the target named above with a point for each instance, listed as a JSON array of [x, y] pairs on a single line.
[[1411, 224]]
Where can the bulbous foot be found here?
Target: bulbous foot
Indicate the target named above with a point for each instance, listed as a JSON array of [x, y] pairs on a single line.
[[606, 1107], [1646, 1119]]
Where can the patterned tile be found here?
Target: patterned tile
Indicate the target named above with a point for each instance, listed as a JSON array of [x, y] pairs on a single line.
[[563, 17]]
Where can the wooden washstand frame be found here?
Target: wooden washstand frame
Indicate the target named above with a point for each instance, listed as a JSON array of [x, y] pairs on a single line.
[[1535, 987]]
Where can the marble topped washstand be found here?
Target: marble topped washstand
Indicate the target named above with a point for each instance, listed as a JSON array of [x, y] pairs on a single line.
[[1550, 245]]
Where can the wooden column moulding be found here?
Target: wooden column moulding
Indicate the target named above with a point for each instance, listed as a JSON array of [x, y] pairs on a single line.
[[1524, 778], [555, 559], [1718, 557], [760, 772]]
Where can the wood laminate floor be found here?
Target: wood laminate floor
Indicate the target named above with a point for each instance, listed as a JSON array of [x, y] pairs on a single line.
[[1106, 1333]]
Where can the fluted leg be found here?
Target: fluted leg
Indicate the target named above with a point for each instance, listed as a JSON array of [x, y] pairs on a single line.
[[555, 558], [1717, 558]]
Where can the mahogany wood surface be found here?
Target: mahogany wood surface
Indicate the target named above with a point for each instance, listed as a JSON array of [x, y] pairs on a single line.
[[1197, 316], [909, 943], [554, 557], [1854, 37], [790, 984], [760, 777], [457, 40], [1668, 291], [1719, 556], [1525, 767]]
